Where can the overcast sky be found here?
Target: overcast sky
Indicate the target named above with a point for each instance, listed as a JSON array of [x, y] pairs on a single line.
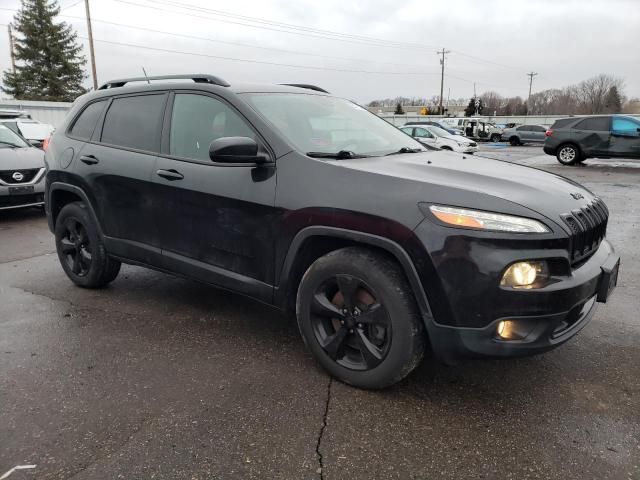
[[492, 42]]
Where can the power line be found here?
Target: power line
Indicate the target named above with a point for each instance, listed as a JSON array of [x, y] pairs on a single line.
[[263, 62], [246, 45]]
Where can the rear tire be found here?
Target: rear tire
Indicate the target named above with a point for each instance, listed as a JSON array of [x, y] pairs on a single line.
[[568, 154], [515, 141], [80, 250], [357, 314]]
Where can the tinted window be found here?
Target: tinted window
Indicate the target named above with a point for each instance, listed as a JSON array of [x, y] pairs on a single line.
[[538, 128], [198, 120], [523, 128], [599, 124], [562, 122], [87, 121], [134, 122], [625, 126]]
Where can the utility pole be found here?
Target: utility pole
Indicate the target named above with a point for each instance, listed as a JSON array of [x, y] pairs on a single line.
[[91, 52], [12, 51], [530, 75], [443, 53]]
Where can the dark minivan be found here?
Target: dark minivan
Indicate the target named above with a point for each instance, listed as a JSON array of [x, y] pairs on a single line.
[[312, 204], [573, 140]]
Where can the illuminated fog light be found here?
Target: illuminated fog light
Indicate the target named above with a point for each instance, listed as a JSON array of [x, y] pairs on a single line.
[[514, 329], [523, 274]]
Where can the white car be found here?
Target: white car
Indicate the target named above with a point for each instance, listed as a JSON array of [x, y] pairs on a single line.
[[440, 138], [33, 131]]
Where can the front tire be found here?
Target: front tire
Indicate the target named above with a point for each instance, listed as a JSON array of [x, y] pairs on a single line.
[[495, 138], [357, 315], [568, 154], [515, 141], [80, 250]]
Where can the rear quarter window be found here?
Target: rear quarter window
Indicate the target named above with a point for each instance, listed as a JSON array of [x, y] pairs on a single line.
[[562, 123], [86, 122]]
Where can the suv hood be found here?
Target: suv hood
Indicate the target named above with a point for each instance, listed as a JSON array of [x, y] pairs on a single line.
[[450, 177], [21, 158]]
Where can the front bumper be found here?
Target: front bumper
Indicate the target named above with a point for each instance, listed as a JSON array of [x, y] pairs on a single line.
[[549, 150], [21, 195], [560, 311], [466, 149]]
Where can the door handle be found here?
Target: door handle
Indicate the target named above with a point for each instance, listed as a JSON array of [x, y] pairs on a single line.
[[89, 159], [170, 174]]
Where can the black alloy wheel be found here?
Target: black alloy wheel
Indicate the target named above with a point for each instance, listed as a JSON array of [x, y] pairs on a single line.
[[349, 322], [76, 247]]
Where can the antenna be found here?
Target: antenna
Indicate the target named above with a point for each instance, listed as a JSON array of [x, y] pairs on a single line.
[[146, 76]]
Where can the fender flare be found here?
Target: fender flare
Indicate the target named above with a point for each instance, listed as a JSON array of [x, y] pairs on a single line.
[[383, 243], [55, 186]]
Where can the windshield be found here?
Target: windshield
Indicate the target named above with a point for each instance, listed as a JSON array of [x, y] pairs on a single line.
[[322, 124], [9, 139]]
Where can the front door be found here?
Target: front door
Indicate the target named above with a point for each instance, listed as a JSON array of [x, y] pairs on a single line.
[[625, 137], [216, 220], [424, 136]]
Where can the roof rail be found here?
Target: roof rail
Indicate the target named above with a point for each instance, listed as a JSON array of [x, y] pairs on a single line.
[[305, 85], [196, 77]]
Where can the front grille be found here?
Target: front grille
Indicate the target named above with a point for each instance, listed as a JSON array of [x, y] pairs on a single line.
[[17, 200], [588, 228], [27, 175]]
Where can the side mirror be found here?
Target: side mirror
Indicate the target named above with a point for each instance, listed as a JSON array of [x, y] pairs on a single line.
[[236, 150]]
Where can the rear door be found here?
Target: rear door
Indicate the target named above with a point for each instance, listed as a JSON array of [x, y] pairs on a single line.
[[215, 220], [625, 137], [592, 135], [117, 165], [424, 136], [524, 132], [537, 133]]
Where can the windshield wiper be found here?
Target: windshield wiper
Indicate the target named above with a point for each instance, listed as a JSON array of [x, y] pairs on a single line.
[[341, 155], [11, 144], [406, 150]]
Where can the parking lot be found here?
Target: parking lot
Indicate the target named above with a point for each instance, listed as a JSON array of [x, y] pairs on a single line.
[[160, 377]]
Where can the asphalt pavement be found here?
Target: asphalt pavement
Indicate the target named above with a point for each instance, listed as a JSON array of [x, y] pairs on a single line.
[[160, 377]]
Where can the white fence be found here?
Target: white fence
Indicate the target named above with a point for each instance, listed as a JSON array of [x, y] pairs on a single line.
[[52, 113], [399, 120]]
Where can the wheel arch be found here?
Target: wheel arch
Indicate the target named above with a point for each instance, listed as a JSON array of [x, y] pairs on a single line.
[[60, 194], [311, 243]]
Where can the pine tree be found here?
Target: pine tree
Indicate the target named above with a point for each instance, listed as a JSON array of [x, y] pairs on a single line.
[[399, 110], [49, 60], [613, 101], [470, 110]]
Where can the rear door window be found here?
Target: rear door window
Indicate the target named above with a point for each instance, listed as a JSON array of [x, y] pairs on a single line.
[[422, 133], [597, 124], [134, 122], [562, 122], [86, 122]]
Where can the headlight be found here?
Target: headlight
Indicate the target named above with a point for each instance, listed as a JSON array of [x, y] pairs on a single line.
[[461, 217]]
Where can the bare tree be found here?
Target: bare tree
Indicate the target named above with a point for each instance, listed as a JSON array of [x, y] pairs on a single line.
[[593, 93]]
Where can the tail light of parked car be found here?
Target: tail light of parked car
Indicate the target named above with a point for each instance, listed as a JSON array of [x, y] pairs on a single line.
[[45, 143], [548, 133]]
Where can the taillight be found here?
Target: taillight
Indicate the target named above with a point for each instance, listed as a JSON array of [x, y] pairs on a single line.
[[548, 133], [45, 143]]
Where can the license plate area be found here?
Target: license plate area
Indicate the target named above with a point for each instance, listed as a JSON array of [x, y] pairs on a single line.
[[608, 281], [23, 190]]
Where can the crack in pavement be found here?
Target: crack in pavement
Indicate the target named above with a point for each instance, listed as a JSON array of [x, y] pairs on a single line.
[[21, 259], [319, 456]]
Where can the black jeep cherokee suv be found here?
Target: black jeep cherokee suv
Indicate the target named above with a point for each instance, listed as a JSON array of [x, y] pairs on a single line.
[[310, 203]]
